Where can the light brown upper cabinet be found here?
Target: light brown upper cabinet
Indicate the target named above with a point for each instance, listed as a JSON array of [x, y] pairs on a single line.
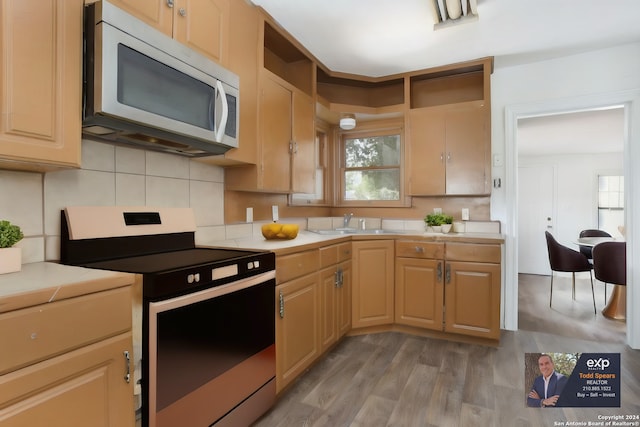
[[449, 130], [286, 121], [40, 84], [449, 151], [203, 25]]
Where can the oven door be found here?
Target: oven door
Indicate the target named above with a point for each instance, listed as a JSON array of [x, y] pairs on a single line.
[[211, 351]]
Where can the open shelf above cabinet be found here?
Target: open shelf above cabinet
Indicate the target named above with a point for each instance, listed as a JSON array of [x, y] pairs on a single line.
[[354, 95], [452, 86], [287, 61]]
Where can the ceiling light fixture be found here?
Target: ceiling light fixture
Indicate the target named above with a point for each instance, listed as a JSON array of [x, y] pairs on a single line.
[[348, 122], [453, 12]]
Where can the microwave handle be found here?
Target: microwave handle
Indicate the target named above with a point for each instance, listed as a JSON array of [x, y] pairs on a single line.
[[225, 112]]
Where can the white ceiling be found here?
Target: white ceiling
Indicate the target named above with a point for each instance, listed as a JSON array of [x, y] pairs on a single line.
[[384, 37], [595, 131]]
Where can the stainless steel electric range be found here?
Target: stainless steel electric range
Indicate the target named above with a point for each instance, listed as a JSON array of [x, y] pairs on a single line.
[[203, 318]]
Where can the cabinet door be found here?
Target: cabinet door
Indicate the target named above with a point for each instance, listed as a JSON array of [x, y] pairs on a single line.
[[40, 82], [372, 283], [275, 125], [419, 292], [467, 152], [303, 159], [156, 13], [203, 25], [426, 159], [343, 304], [297, 327], [328, 306], [85, 387], [472, 296], [449, 151]]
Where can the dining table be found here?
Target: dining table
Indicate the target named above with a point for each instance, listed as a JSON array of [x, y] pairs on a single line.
[[616, 307]]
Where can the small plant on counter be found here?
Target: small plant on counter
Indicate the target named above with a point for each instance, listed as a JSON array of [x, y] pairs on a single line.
[[434, 220], [9, 234]]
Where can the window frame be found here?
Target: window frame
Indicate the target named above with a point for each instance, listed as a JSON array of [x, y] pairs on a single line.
[[366, 130]]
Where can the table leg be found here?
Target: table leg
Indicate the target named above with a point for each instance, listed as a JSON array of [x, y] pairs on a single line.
[[617, 306]]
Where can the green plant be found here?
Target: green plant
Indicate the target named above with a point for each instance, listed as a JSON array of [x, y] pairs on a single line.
[[9, 234], [433, 220]]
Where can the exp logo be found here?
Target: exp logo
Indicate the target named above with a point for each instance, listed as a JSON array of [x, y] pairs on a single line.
[[599, 364]]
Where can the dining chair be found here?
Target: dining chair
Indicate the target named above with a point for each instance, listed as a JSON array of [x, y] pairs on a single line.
[[564, 259], [586, 250], [610, 266]]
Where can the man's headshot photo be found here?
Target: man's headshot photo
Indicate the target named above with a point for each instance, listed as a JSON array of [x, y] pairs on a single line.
[[547, 386]]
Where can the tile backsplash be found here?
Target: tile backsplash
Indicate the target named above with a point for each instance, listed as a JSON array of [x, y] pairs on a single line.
[[110, 176]]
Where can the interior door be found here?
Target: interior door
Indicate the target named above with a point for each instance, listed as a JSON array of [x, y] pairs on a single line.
[[535, 216]]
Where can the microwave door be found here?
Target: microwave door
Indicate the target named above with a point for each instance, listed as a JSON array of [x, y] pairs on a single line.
[[222, 123], [134, 71]]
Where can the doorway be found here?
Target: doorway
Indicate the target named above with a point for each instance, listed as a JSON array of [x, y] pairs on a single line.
[[512, 115]]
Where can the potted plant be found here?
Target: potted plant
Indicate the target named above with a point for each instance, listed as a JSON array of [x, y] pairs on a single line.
[[439, 222], [10, 257]]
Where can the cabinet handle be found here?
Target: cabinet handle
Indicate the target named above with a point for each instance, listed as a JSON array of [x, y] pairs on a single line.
[[170, 3], [127, 359], [336, 279], [449, 157], [439, 272], [281, 298], [340, 277], [442, 157], [448, 273], [419, 249], [182, 11]]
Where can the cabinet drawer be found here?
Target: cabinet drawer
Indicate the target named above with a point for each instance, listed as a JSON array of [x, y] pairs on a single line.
[[418, 249], [344, 252], [473, 252], [295, 265], [37, 333], [330, 255]]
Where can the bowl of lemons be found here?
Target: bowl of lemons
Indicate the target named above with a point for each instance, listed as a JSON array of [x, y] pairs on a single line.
[[277, 231]]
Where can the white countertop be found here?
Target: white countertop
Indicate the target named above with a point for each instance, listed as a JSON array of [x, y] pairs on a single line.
[[310, 238], [43, 282]]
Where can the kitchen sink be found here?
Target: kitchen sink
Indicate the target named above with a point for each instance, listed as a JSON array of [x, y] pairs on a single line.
[[335, 231], [339, 231]]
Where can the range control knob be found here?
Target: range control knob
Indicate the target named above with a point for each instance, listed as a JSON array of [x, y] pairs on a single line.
[[193, 278]]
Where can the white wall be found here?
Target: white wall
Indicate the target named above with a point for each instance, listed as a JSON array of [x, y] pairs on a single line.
[[110, 176], [577, 81], [576, 189]]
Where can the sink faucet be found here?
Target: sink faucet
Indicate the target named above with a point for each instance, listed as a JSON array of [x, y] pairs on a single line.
[[346, 219]]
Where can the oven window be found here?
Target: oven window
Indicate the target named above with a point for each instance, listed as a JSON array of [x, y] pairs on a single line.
[[198, 342]]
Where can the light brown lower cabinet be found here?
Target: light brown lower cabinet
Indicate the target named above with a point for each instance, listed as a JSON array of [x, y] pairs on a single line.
[[373, 283], [335, 283], [419, 294], [452, 287], [65, 363], [321, 294], [313, 307], [297, 327], [297, 314], [85, 387]]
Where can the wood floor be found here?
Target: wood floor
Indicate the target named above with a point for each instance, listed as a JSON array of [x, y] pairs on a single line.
[[394, 379]]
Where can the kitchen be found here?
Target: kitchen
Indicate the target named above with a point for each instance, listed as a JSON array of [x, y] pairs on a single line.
[[121, 176]]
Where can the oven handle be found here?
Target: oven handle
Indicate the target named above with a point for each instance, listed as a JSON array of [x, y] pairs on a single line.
[[205, 294]]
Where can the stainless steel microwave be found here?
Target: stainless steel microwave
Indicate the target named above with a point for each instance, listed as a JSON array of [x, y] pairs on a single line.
[[144, 89]]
